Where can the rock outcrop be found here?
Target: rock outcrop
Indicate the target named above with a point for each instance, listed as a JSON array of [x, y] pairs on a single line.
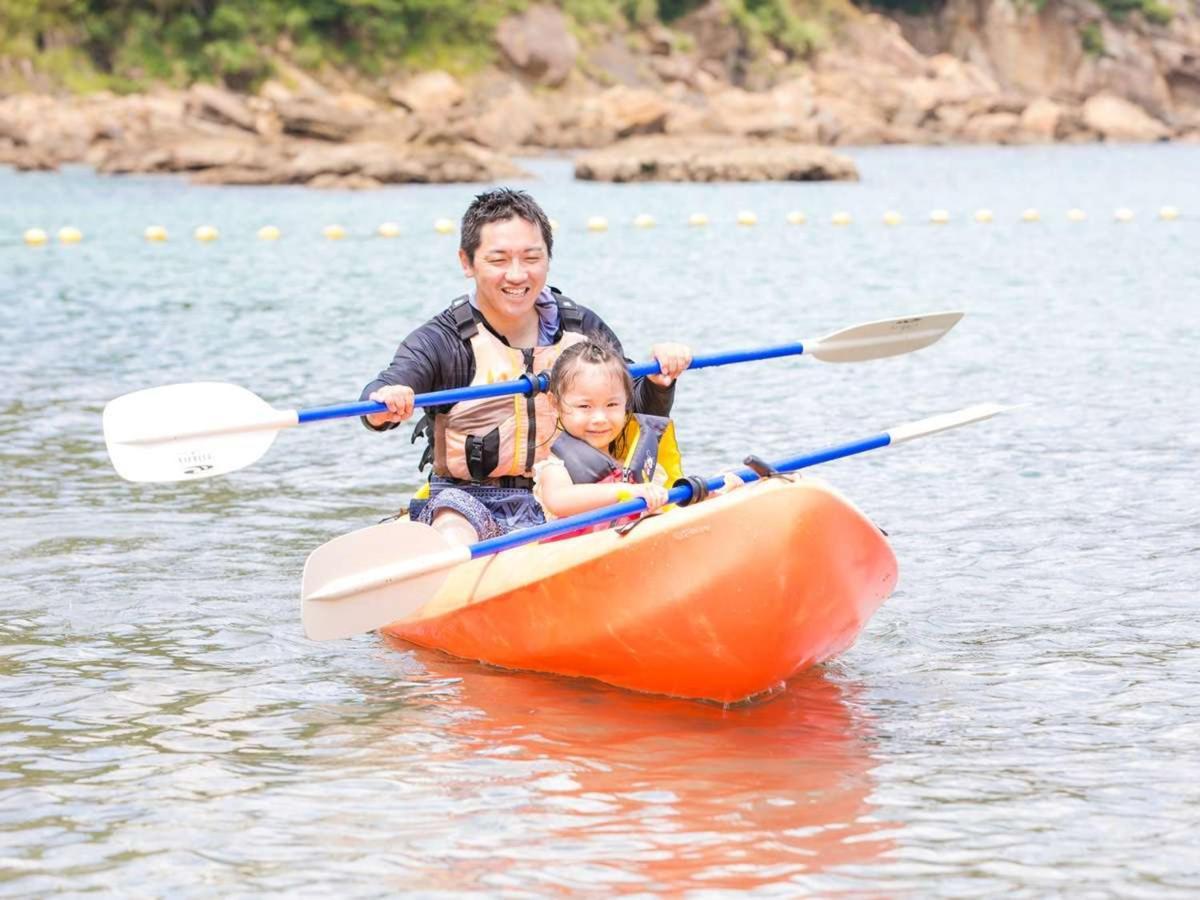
[[712, 159], [538, 43], [1119, 120], [977, 71], [1071, 50], [220, 138]]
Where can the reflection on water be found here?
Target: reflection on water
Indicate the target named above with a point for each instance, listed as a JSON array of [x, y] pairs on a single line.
[[149, 756], [650, 793]]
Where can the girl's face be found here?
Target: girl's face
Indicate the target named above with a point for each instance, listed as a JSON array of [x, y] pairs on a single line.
[[592, 408]]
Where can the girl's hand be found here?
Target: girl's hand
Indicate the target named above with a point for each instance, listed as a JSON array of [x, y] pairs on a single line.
[[672, 359], [732, 481], [655, 495]]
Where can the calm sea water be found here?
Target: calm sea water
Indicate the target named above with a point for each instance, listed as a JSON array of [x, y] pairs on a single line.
[[1021, 718]]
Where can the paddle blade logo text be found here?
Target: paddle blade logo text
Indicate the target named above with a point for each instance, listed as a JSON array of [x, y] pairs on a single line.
[[196, 462]]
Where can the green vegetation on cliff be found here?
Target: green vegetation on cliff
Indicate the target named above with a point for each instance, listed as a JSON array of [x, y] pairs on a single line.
[[124, 45], [128, 44], [1155, 12]]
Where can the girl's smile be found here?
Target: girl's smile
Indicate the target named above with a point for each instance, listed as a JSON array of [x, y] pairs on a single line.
[[595, 406]]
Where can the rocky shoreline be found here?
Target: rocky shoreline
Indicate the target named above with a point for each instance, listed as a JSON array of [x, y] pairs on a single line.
[[647, 109]]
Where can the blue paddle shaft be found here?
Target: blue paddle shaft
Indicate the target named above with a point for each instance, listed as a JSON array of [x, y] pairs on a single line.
[[524, 386], [679, 494]]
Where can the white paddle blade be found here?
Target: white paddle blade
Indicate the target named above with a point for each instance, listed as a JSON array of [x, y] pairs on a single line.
[[946, 421], [374, 576], [887, 337], [181, 432]]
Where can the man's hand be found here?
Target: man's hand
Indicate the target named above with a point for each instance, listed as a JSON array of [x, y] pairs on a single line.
[[672, 359], [399, 401]]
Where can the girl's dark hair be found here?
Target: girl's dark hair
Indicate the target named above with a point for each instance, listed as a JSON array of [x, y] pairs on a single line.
[[500, 205], [589, 353]]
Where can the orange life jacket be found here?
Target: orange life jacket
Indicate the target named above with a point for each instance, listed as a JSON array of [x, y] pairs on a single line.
[[495, 437]]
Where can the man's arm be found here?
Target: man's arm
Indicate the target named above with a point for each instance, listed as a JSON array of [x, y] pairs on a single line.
[[429, 359]]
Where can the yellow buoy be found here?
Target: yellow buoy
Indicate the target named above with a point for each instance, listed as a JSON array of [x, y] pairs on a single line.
[[389, 230], [268, 233], [206, 233], [697, 220], [939, 216], [1123, 215], [69, 234], [1076, 215], [891, 217], [333, 232], [1168, 213], [444, 226], [841, 218], [34, 237], [1031, 215], [645, 220], [746, 217], [795, 217], [155, 233], [983, 216], [597, 223], [554, 224]]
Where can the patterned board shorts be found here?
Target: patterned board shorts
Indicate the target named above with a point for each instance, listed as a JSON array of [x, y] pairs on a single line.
[[492, 511]]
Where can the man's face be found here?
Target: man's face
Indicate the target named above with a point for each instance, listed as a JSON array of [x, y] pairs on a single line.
[[509, 268]]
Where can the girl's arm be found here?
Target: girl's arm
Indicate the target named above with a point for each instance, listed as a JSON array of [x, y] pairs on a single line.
[[561, 497]]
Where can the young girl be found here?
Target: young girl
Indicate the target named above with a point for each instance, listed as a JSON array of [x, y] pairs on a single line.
[[603, 453]]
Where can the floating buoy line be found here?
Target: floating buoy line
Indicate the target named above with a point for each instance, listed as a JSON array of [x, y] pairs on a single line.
[[206, 234]]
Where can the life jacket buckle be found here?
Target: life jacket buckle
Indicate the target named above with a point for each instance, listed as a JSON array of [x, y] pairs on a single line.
[[424, 429]]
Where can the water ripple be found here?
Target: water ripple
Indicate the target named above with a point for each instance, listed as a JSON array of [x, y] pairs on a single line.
[[1019, 719]]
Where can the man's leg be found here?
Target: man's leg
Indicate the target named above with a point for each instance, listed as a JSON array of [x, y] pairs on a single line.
[[455, 526]]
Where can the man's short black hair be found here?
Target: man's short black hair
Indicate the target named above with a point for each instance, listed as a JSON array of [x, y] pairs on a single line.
[[500, 205]]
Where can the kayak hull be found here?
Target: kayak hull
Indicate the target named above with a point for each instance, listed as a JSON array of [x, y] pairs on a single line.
[[719, 601]]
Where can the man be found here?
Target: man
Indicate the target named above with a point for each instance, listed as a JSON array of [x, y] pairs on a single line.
[[483, 451]]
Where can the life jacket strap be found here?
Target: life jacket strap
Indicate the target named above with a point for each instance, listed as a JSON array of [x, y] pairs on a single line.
[[464, 318], [570, 316], [518, 482]]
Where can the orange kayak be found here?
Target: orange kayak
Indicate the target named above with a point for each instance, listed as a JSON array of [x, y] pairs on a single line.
[[718, 601]]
